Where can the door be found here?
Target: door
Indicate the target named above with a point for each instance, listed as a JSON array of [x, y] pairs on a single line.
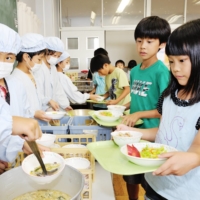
[[81, 44]]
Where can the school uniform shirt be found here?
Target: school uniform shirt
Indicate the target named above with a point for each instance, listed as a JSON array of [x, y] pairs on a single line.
[[9, 145], [31, 90], [179, 125], [115, 83], [50, 87], [71, 90]]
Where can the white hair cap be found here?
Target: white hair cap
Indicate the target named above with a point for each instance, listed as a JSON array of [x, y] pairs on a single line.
[[63, 56], [33, 42], [10, 41], [54, 44]]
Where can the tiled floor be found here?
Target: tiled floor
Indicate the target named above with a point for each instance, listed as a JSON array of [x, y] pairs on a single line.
[[120, 189]]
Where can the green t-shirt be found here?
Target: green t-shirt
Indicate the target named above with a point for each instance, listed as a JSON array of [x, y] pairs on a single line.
[[115, 83], [146, 87]]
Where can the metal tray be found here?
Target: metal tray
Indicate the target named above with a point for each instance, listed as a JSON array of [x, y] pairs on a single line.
[[108, 154]]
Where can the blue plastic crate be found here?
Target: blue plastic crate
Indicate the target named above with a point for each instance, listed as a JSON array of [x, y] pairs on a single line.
[[57, 129], [77, 126]]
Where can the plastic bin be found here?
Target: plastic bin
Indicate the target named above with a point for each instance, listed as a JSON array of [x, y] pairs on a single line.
[[57, 130], [77, 126]]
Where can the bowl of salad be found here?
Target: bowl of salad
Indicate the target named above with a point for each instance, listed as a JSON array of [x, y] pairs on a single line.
[[146, 154], [108, 115]]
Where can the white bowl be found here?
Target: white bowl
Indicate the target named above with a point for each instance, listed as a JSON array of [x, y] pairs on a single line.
[[78, 162], [74, 146], [47, 140], [31, 162], [115, 115], [147, 162], [55, 114], [122, 140], [118, 108], [100, 98]]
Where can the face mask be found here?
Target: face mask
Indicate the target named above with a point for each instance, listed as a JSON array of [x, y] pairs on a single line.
[[5, 69], [52, 60], [67, 66], [36, 67]]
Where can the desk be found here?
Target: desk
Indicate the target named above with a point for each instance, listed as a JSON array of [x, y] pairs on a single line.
[[102, 187]]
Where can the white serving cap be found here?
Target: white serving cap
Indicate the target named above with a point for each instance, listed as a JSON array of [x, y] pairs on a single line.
[[10, 41], [54, 44], [63, 56], [32, 42]]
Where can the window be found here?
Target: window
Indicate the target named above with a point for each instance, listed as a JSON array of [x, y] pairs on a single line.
[[72, 43], [74, 64], [92, 42]]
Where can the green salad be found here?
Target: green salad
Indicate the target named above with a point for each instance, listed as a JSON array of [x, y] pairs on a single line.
[[152, 152]]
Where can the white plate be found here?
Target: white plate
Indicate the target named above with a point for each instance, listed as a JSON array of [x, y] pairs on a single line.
[[148, 162], [115, 115], [78, 162], [55, 114]]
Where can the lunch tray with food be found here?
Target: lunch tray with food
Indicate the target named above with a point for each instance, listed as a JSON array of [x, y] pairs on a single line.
[[70, 149], [57, 126], [109, 124], [86, 125], [108, 154]]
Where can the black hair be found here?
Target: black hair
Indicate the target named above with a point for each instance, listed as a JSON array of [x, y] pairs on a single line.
[[185, 40], [153, 27], [119, 61], [50, 52], [19, 56], [98, 61], [100, 51], [131, 64]]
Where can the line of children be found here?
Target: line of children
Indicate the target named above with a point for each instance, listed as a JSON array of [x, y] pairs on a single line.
[[179, 105]]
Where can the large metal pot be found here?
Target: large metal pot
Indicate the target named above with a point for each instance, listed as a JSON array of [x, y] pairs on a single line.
[[79, 112], [15, 183]]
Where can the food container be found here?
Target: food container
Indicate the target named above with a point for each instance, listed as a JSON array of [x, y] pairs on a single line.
[[55, 114], [115, 115], [14, 183], [126, 137], [46, 140], [118, 108], [147, 162], [79, 112]]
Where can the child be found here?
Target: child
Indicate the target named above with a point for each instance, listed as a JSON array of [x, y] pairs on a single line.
[[120, 64], [12, 95], [150, 78], [179, 105], [117, 85], [71, 91], [147, 82], [131, 65], [52, 94], [99, 82], [29, 60]]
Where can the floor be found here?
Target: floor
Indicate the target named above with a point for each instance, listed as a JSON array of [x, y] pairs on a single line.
[[120, 189]]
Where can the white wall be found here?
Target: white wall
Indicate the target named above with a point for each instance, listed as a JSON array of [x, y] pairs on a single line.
[[121, 46]]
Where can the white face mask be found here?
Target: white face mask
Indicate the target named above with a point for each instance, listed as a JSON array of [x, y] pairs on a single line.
[[66, 68], [52, 60], [36, 67], [5, 69]]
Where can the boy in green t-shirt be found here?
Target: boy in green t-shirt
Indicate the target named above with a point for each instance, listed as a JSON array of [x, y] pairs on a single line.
[[147, 82], [117, 85]]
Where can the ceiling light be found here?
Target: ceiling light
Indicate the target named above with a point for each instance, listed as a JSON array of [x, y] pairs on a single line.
[[174, 18], [122, 6], [116, 19]]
